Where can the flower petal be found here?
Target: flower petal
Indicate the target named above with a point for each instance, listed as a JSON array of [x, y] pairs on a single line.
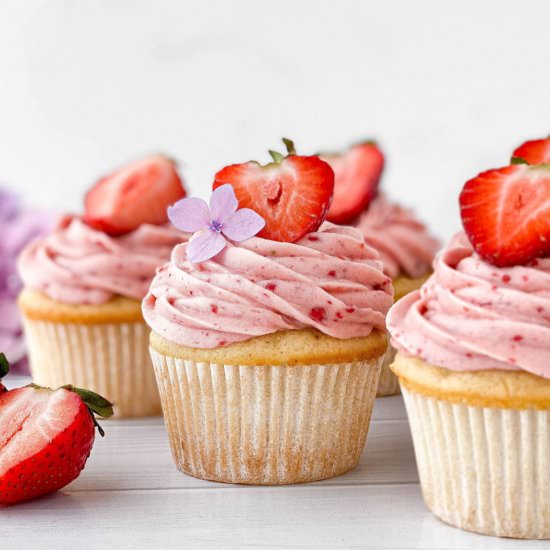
[[189, 214], [243, 224], [223, 203], [205, 245]]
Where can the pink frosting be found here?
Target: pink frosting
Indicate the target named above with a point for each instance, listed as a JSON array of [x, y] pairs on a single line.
[[330, 280], [471, 315], [79, 265], [403, 242]]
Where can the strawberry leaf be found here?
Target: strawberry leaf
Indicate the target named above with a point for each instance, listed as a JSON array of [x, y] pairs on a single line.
[[518, 160], [4, 365]]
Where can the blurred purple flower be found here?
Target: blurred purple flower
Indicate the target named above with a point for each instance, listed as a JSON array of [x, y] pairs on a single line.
[[18, 226], [215, 224]]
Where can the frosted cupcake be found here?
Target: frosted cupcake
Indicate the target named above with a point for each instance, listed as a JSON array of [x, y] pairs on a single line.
[[473, 361], [83, 286], [267, 349], [405, 245]]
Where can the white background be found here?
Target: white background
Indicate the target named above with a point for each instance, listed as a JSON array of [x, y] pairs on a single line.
[[448, 88]]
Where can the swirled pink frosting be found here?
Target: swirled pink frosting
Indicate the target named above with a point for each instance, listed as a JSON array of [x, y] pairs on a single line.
[[404, 243], [330, 280], [471, 315], [79, 265]]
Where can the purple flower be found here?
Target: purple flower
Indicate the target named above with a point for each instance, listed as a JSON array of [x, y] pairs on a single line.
[[213, 225]]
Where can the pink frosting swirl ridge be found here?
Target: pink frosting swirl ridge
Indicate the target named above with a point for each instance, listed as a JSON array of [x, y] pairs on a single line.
[[471, 315], [80, 265], [329, 280], [404, 243]]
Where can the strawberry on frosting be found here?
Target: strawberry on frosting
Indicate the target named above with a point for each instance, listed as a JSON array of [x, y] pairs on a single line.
[[357, 173], [116, 246], [292, 194], [487, 304], [226, 285]]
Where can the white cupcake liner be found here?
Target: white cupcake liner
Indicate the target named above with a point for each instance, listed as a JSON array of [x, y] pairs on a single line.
[[389, 383], [267, 425], [483, 469], [110, 359]]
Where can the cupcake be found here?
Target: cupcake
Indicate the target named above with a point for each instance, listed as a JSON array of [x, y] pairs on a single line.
[[18, 226], [473, 361], [83, 286], [267, 349], [406, 247]]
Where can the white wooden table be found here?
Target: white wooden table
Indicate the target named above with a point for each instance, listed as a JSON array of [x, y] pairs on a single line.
[[130, 496]]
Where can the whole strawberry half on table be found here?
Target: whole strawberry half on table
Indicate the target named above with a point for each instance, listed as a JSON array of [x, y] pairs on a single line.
[[45, 437]]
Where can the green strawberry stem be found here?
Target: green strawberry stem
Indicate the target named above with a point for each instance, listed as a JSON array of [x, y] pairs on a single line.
[[290, 149], [277, 157], [4, 365], [289, 144]]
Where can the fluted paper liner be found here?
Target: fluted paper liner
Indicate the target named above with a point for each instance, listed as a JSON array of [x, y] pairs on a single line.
[[483, 469], [268, 425], [110, 359], [389, 383]]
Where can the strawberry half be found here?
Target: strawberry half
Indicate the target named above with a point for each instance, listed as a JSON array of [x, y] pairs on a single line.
[[506, 214], [45, 439], [133, 195], [533, 152], [356, 176], [292, 194]]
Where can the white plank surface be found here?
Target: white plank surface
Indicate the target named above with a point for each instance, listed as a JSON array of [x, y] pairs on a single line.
[[130, 496]]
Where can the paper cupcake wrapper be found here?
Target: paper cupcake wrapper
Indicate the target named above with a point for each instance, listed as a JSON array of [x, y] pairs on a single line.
[[268, 425], [111, 359], [389, 383], [483, 469]]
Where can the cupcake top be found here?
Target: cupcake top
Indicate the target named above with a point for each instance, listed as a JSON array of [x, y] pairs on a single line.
[[116, 246], [329, 280], [487, 304], [18, 226], [77, 264], [471, 315], [403, 241], [226, 285]]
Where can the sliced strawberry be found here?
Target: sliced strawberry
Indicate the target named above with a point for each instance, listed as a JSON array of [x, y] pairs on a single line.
[[292, 194], [356, 175], [133, 195], [533, 152], [45, 439], [506, 214]]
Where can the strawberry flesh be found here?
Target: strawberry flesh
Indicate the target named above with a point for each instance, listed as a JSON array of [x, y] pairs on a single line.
[[293, 195], [357, 173], [133, 195], [534, 152], [506, 214], [45, 439]]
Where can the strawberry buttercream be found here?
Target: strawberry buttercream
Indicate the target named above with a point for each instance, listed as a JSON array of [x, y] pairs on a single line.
[[79, 265], [404, 243], [471, 315], [330, 280]]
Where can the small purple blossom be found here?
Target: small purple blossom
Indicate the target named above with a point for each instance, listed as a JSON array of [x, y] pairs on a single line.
[[213, 226]]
